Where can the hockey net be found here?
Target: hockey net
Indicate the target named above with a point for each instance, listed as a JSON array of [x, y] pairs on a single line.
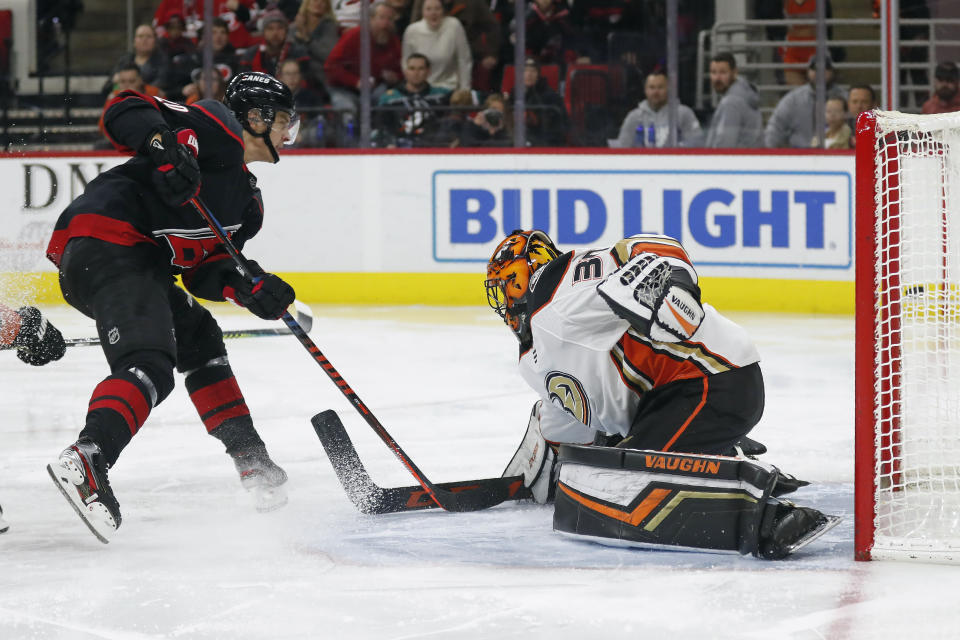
[[908, 337]]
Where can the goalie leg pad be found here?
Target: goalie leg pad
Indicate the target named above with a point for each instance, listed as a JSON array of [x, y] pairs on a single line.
[[654, 499], [535, 460]]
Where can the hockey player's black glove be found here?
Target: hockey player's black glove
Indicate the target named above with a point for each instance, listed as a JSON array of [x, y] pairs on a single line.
[[177, 174], [266, 298], [38, 341]]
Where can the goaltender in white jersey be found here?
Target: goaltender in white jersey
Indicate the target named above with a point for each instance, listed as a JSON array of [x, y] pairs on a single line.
[[616, 341], [621, 349], [592, 366]]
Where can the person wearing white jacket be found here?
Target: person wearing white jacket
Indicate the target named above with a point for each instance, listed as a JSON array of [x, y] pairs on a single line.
[[444, 42]]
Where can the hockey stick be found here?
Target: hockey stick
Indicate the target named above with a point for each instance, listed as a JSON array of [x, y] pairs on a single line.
[[368, 497], [304, 319], [484, 498]]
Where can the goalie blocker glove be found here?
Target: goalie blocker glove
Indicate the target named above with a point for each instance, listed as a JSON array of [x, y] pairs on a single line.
[[535, 460], [267, 296], [177, 174], [658, 296]]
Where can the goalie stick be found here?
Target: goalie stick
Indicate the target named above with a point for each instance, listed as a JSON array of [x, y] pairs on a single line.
[[370, 498], [304, 319], [447, 499]]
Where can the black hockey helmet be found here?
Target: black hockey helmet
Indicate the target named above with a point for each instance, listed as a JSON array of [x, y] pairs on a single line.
[[255, 90]]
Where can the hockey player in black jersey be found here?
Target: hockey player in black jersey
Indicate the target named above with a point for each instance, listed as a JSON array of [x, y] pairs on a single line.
[[118, 247]]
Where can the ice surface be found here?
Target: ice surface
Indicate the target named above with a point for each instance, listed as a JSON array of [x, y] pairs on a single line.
[[194, 560]]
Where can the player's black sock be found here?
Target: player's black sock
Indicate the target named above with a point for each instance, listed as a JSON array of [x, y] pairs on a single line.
[[118, 408], [219, 401]]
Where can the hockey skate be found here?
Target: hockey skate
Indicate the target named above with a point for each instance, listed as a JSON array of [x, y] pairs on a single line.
[[3, 523], [262, 478], [787, 528], [81, 475]]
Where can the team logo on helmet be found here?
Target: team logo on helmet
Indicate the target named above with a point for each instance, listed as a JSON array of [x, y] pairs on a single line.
[[566, 392]]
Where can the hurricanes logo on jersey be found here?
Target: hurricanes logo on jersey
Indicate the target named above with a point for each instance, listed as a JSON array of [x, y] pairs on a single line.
[[566, 392]]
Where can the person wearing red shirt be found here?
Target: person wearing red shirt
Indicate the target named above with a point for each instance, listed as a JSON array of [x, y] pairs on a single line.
[[945, 97], [236, 13], [342, 66], [275, 49]]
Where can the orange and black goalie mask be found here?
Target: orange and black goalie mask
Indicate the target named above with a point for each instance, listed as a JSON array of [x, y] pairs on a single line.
[[508, 277]]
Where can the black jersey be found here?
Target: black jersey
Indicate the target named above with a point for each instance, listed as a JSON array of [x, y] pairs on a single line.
[[120, 206]]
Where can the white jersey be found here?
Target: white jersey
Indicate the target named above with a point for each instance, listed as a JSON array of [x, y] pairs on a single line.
[[590, 366]]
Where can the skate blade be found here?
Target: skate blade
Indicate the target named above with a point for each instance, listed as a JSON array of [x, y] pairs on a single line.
[[267, 499], [102, 530], [829, 523]]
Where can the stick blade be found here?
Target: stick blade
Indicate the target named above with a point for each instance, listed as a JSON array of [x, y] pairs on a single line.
[[304, 315], [368, 497]]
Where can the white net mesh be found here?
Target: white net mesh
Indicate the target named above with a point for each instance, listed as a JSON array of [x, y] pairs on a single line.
[[918, 336]]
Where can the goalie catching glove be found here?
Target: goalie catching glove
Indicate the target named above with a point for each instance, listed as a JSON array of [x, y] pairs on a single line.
[[535, 460], [658, 296]]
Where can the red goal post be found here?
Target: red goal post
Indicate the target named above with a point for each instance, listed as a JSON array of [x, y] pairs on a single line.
[[907, 495]]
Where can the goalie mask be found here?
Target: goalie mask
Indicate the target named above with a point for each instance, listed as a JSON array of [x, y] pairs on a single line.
[[508, 276], [252, 93]]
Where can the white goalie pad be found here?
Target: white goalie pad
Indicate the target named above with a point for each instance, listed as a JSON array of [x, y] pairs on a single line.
[[534, 459], [662, 500]]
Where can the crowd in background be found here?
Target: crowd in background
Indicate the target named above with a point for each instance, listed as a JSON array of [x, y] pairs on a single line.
[[441, 72]]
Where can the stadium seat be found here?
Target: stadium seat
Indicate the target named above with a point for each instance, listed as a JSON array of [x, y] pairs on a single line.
[[587, 96]]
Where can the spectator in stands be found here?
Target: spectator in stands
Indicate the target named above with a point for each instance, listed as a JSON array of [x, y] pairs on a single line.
[[236, 13], [180, 51], [218, 84], [803, 10], [945, 97], [315, 28], [275, 48], [792, 122], [307, 102], [348, 12], [343, 64], [838, 133], [128, 77], [487, 128], [408, 118], [545, 117], [736, 121], [450, 126], [152, 65], [551, 36], [861, 98], [649, 124], [224, 57], [174, 42], [444, 42], [305, 99], [483, 32]]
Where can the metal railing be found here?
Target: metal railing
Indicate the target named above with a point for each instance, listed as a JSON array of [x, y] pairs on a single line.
[[756, 54]]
